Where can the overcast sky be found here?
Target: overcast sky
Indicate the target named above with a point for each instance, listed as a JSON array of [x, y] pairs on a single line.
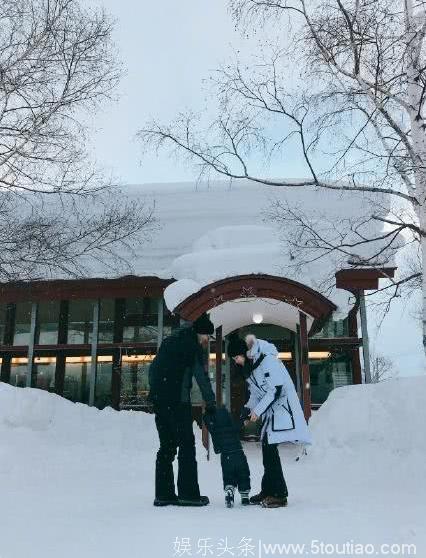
[[168, 48]]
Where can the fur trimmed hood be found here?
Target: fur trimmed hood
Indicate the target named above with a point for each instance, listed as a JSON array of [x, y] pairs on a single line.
[[259, 347]]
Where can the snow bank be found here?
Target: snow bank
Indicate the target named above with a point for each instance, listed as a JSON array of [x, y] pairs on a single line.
[[75, 481], [389, 416], [57, 420], [386, 417]]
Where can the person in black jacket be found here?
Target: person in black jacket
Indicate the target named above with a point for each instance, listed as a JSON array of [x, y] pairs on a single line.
[[179, 359], [225, 435]]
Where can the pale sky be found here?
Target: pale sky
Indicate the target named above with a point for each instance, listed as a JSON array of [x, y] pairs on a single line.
[[168, 48]]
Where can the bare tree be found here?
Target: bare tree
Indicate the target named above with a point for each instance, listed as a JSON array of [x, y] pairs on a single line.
[[382, 368], [347, 85], [57, 211]]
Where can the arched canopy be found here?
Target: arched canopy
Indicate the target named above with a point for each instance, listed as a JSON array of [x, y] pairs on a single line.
[[263, 287]]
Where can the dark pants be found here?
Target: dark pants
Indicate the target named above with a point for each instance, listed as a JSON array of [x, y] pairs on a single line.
[[235, 470], [273, 482], [174, 425]]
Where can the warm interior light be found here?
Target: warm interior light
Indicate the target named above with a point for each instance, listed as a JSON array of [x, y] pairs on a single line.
[[284, 356], [319, 354], [257, 318], [19, 360], [44, 360], [314, 355], [86, 359], [212, 356], [79, 359], [103, 358], [137, 358]]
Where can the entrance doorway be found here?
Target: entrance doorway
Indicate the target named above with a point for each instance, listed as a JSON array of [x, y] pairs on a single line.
[[234, 393]]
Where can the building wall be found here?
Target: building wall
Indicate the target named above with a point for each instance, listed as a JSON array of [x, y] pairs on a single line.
[[61, 336]]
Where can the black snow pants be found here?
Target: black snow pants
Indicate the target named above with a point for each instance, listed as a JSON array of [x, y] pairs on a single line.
[[273, 482], [235, 470], [174, 425]]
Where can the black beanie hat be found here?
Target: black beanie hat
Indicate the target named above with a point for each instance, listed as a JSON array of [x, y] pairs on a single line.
[[237, 347], [203, 325]]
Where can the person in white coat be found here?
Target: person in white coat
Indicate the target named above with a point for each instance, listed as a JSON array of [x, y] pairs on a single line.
[[273, 398]]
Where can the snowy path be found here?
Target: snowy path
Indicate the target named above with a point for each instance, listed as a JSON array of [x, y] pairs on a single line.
[[74, 495]]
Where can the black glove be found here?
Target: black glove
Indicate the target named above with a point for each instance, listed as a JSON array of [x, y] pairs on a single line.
[[245, 414]]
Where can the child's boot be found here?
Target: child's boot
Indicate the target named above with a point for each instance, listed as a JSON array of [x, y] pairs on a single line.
[[229, 496], [245, 500]]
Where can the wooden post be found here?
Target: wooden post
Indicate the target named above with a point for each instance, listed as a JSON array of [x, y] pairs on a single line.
[[33, 331], [94, 352], [297, 362], [304, 360], [8, 340], [219, 395], [356, 361], [119, 310], [365, 338], [62, 340]]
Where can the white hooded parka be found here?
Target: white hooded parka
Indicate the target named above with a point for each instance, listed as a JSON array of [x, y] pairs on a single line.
[[282, 416]]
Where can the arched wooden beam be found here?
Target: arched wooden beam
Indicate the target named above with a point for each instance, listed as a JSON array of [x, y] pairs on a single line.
[[256, 286]]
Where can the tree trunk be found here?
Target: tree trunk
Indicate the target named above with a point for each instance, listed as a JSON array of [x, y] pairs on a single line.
[[423, 254]]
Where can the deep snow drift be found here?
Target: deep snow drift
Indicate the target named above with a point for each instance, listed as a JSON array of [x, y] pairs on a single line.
[[78, 482]]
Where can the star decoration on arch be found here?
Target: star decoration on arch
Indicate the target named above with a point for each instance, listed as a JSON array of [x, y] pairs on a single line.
[[247, 292], [218, 300]]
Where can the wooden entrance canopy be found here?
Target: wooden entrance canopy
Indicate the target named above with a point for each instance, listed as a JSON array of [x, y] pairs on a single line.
[[305, 299], [256, 286], [354, 280]]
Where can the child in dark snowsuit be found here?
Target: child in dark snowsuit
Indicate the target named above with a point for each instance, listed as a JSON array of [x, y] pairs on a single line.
[[226, 441]]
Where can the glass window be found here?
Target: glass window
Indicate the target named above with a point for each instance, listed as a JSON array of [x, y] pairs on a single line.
[[77, 379], [141, 320], [44, 373], [170, 321], [106, 321], [2, 322], [18, 372], [327, 375], [80, 321], [22, 323], [134, 380], [103, 382], [334, 328], [47, 323]]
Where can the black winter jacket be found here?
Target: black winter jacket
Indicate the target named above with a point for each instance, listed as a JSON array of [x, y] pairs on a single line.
[[179, 358], [225, 432]]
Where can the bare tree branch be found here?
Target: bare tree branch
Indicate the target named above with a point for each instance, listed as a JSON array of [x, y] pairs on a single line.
[[347, 85], [58, 212]]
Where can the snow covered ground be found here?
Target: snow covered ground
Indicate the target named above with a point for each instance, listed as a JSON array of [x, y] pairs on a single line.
[[78, 482]]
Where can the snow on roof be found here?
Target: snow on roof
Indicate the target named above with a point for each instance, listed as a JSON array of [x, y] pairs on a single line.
[[210, 231]]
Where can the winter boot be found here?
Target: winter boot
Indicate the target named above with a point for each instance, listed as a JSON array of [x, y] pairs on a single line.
[[245, 500], [200, 501], [171, 501], [257, 499], [229, 496], [273, 502]]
